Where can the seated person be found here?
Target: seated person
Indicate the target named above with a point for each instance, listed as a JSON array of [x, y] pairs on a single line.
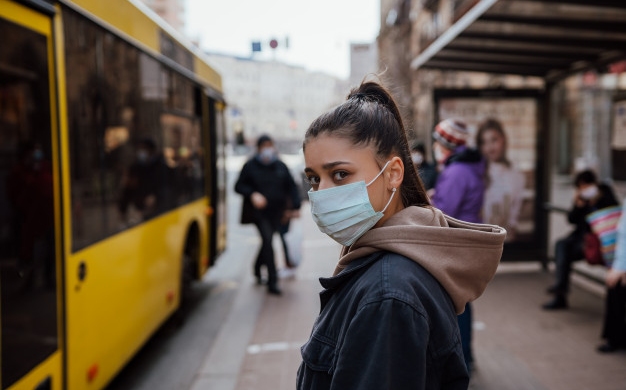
[[589, 197]]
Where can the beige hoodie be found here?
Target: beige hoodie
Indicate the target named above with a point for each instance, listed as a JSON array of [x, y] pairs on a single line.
[[462, 256]]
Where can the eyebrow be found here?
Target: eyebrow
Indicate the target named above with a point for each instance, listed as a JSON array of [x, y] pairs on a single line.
[[328, 166]]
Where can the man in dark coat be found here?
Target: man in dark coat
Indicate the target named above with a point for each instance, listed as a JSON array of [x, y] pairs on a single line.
[[268, 190]]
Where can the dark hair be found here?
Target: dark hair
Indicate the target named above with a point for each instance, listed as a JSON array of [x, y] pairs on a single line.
[[585, 177], [370, 116], [418, 146], [493, 125], [262, 139], [147, 143]]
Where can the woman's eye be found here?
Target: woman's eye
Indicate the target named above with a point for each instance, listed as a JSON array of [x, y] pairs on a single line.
[[313, 180], [340, 175]]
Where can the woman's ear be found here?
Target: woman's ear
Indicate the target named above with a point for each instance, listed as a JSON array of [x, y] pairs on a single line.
[[396, 172]]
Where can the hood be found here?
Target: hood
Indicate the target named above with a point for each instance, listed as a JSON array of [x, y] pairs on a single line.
[[466, 155], [462, 256]]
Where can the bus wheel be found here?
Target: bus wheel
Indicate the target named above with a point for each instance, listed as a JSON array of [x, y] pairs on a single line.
[[189, 263]]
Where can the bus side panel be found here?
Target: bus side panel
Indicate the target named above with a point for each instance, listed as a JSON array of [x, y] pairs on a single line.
[[31, 381], [130, 285]]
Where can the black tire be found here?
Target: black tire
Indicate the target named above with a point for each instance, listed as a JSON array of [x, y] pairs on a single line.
[[188, 274]]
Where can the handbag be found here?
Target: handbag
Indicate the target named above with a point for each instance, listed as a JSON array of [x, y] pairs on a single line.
[[591, 248], [603, 224], [248, 212]]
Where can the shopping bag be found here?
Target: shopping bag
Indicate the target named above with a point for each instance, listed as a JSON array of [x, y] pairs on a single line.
[[292, 243], [603, 224], [592, 249]]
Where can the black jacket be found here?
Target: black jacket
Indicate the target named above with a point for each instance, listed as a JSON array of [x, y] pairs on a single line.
[[385, 323], [577, 214], [274, 181]]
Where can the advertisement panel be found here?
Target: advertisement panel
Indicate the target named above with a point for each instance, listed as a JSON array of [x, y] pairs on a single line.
[[505, 128]]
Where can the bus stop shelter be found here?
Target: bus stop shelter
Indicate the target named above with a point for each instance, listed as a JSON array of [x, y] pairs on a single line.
[[549, 39]]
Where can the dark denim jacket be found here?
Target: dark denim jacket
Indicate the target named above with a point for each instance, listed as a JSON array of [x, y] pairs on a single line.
[[385, 323]]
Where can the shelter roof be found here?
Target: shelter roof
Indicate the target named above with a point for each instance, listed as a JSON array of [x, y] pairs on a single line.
[[545, 38]]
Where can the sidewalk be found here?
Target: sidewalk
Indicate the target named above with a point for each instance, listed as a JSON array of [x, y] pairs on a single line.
[[517, 345]]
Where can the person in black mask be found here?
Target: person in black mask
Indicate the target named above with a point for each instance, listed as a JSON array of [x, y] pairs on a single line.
[[267, 188]]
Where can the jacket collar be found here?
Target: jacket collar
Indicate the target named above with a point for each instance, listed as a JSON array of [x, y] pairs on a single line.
[[348, 272]]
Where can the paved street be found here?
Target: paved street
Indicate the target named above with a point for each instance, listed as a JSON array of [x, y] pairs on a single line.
[[236, 337]]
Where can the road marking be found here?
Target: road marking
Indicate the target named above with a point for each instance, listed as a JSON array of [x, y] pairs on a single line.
[[479, 325], [280, 346], [225, 286]]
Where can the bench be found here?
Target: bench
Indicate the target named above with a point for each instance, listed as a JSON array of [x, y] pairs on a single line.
[[591, 277]]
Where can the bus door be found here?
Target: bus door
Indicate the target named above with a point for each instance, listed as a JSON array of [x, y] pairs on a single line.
[[30, 320]]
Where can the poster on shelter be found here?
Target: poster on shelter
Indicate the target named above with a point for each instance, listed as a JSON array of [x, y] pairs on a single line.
[[619, 125], [504, 130]]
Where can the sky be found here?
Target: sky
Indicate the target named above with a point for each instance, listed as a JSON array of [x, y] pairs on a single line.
[[319, 32]]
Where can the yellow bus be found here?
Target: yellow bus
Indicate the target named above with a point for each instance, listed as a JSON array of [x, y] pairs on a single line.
[[112, 185]]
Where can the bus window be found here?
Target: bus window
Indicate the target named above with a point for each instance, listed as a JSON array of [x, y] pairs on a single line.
[[27, 239], [135, 140]]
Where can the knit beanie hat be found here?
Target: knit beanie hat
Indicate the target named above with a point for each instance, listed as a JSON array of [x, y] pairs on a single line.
[[451, 133]]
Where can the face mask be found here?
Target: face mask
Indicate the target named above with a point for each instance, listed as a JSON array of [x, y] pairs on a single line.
[[417, 158], [142, 156], [267, 155], [344, 212], [440, 155], [37, 155], [589, 192]]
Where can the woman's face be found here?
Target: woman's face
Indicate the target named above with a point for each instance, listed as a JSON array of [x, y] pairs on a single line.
[[493, 145], [334, 161]]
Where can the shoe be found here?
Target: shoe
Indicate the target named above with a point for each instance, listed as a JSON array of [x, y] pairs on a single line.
[[260, 281], [607, 348], [559, 302], [286, 273], [274, 290]]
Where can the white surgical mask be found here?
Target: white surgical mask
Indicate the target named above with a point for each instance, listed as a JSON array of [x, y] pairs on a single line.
[[440, 155], [589, 192], [267, 155], [417, 158], [344, 212], [142, 156]]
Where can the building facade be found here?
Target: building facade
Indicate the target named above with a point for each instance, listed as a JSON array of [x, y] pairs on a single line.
[[172, 11], [269, 97], [363, 62]]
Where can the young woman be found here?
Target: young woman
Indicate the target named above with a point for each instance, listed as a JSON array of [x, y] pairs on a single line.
[[388, 314], [505, 185]]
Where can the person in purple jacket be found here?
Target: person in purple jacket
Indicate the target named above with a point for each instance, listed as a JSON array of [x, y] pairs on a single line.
[[459, 193], [460, 188]]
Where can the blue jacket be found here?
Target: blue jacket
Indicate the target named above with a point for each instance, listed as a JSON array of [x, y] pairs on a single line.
[[407, 344], [460, 187], [620, 251]]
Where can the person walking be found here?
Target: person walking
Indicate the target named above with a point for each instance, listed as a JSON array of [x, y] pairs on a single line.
[[426, 171], [388, 313], [589, 197], [459, 193], [267, 187]]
